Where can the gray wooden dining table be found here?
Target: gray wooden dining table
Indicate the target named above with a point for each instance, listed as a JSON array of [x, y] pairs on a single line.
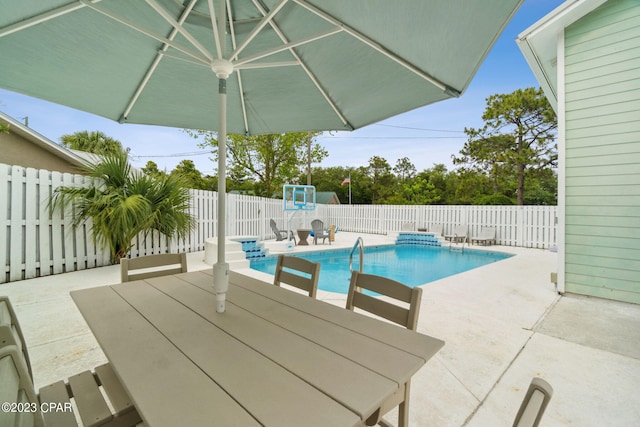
[[274, 358]]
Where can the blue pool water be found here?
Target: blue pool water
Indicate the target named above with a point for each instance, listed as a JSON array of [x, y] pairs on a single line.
[[411, 265]]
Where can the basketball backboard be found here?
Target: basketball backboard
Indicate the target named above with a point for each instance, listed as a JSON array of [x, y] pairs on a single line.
[[299, 197]]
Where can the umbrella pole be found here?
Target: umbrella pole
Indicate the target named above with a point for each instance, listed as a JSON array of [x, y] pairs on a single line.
[[221, 268]]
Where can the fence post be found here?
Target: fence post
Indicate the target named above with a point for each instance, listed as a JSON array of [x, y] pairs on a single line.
[[520, 226]]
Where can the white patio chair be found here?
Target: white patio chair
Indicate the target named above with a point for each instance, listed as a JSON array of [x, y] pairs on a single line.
[[397, 313], [487, 236], [148, 266], [460, 233], [307, 281], [52, 403], [534, 404]]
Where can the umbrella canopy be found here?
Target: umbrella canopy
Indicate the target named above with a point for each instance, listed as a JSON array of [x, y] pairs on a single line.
[[246, 66]]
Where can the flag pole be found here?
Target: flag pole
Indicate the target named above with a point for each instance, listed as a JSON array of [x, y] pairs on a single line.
[[349, 187]]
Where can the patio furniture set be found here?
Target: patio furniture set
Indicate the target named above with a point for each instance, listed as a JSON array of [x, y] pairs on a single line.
[[460, 234], [272, 349], [317, 231]]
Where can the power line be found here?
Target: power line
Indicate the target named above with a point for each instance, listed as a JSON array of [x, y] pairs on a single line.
[[329, 136], [194, 153], [412, 128], [391, 137]]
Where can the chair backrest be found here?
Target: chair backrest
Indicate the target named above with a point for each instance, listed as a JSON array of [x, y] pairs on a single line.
[[397, 313], [152, 266], [317, 226], [488, 233], [408, 226], [436, 229], [15, 368], [534, 404], [308, 281], [461, 230], [274, 227], [280, 234], [10, 331]]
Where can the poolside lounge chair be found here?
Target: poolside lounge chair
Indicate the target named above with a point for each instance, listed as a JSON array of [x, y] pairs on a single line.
[[148, 266], [436, 229], [459, 234], [281, 234], [487, 236], [534, 404], [296, 265], [319, 232], [52, 403], [407, 317], [408, 226]]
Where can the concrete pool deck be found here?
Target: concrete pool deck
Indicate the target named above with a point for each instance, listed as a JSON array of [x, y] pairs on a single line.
[[502, 323]]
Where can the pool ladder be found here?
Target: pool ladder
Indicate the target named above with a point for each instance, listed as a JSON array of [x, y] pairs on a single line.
[[359, 244], [455, 239]]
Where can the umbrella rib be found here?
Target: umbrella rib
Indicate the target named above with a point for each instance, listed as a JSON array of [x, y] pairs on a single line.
[[178, 26], [265, 20], [255, 66], [288, 46], [156, 62], [175, 55], [306, 69], [214, 26], [443, 86], [41, 17], [144, 31]]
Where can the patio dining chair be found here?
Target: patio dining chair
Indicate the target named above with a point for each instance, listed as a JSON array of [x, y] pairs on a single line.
[[300, 273], [148, 266], [52, 404], [534, 404], [392, 311]]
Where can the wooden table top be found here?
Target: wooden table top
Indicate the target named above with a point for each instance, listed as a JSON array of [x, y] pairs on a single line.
[[274, 358]]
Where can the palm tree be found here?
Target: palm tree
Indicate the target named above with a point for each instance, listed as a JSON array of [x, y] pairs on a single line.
[[92, 142], [123, 203]]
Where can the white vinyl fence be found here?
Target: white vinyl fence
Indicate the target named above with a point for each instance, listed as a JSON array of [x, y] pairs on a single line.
[[36, 242], [526, 226]]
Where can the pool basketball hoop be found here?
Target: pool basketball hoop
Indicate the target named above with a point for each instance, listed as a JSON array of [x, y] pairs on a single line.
[[299, 197]]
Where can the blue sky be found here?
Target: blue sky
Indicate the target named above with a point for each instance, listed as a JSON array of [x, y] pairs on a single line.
[[436, 130]]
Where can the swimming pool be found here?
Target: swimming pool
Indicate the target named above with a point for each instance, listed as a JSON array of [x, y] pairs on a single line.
[[411, 265]]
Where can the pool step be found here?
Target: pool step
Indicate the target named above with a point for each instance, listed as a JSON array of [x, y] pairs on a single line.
[[252, 247], [234, 255], [418, 238]]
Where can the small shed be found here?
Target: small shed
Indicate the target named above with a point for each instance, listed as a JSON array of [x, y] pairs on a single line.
[[327, 198], [22, 146], [586, 56]]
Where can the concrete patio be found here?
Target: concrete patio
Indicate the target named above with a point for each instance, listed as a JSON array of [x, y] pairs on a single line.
[[502, 323]]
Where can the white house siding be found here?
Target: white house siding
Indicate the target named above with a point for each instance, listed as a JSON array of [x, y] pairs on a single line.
[[602, 107]]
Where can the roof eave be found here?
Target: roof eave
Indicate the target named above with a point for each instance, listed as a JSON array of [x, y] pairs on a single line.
[[43, 142], [539, 42]]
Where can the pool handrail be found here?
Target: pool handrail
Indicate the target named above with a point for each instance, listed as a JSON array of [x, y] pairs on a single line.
[[455, 238], [359, 244]]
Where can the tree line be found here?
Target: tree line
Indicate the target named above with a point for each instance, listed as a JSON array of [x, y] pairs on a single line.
[[510, 160]]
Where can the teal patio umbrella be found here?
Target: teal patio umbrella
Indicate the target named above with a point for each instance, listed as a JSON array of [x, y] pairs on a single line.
[[246, 66]]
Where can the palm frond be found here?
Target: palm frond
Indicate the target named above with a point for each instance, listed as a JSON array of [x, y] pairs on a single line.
[[122, 204]]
